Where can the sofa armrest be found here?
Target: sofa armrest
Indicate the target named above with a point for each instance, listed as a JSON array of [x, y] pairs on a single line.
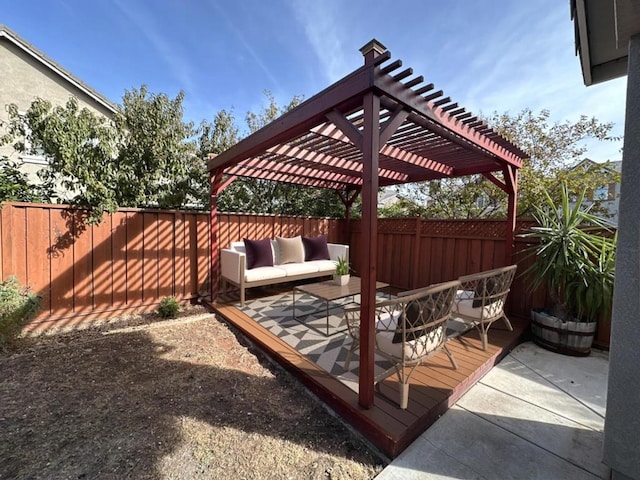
[[337, 250], [232, 265]]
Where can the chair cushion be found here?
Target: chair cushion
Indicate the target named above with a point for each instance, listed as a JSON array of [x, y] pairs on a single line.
[[413, 319], [290, 250], [259, 253], [315, 248], [464, 306], [263, 273], [413, 349]]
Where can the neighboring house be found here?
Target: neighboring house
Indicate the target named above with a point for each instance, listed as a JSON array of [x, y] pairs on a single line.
[[26, 74], [387, 197], [607, 195]]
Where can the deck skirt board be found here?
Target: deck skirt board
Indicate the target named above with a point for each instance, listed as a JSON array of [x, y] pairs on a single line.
[[435, 386]]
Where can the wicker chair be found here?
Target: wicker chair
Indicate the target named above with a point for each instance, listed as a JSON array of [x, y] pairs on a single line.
[[408, 330], [480, 302]]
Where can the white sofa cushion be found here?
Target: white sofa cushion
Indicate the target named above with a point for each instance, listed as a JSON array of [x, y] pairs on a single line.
[[263, 273], [292, 269], [328, 266], [464, 306]]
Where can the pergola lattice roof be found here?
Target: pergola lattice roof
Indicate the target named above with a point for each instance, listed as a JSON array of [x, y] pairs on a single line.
[[318, 143]]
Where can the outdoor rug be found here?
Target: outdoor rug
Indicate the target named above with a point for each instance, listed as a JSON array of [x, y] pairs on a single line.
[[275, 313]]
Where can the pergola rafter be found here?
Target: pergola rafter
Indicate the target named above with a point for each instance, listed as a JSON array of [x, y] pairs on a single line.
[[375, 127]]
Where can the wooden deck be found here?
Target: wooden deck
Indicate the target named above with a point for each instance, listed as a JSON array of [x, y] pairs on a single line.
[[434, 386]]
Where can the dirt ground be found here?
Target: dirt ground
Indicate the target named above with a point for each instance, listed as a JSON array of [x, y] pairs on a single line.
[[177, 399]]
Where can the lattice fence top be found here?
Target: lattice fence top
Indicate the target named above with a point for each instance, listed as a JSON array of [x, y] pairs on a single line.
[[447, 228], [455, 228], [397, 225]]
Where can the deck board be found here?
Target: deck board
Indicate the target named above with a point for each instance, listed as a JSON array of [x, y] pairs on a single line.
[[434, 386]]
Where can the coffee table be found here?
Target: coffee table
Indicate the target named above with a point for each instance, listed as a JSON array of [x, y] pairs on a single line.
[[329, 292]]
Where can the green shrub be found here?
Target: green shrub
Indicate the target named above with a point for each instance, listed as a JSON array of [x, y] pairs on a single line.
[[17, 306], [168, 308]]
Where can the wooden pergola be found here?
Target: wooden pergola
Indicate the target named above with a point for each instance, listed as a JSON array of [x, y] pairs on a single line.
[[376, 127]]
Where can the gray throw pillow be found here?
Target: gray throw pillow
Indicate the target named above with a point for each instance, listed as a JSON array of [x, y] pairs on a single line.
[[290, 250]]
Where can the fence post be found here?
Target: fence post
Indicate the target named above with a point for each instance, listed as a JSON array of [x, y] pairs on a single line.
[[415, 264]]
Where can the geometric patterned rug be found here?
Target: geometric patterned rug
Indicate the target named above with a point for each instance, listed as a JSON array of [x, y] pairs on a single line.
[[275, 313]]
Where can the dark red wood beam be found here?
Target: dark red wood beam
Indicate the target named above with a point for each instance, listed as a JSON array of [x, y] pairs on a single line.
[[440, 121], [345, 94], [417, 160], [327, 162], [511, 180], [481, 169], [346, 127], [333, 132], [369, 250], [295, 169], [392, 124], [294, 179], [230, 179], [501, 185]]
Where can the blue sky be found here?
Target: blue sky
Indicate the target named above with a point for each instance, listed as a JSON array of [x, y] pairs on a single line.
[[488, 55]]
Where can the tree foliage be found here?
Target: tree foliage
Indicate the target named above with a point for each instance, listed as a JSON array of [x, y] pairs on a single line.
[[554, 148], [139, 158], [147, 155], [155, 153], [16, 187]]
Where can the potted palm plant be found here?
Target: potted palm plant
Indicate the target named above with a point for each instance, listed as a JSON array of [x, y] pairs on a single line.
[[575, 259], [341, 277]]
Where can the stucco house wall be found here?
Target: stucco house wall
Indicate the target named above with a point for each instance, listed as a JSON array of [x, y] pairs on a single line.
[[27, 74]]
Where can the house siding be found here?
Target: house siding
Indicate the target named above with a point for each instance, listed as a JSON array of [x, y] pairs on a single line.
[[23, 78]]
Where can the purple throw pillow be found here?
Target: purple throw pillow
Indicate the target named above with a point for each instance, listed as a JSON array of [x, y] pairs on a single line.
[[315, 248], [259, 253]]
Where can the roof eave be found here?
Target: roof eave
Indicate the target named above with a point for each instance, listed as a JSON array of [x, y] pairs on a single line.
[[36, 54]]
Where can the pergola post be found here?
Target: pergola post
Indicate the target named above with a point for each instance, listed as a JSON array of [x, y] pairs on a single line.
[[511, 180], [510, 187], [369, 234], [215, 178]]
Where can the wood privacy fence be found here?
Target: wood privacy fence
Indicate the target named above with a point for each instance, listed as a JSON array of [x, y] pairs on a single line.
[[134, 258], [129, 262], [414, 253]]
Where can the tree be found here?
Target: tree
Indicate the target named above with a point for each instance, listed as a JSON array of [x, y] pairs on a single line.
[[143, 157], [553, 148], [213, 138], [148, 156], [155, 153], [15, 185], [78, 144]]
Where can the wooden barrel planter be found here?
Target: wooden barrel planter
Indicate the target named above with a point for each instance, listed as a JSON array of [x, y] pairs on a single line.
[[568, 338]]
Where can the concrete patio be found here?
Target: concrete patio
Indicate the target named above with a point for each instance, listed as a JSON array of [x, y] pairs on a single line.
[[536, 415]]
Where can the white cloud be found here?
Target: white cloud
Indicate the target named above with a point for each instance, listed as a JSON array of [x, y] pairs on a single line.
[[324, 29]]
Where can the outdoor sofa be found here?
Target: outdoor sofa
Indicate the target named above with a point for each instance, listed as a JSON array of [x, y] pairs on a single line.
[[253, 263]]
